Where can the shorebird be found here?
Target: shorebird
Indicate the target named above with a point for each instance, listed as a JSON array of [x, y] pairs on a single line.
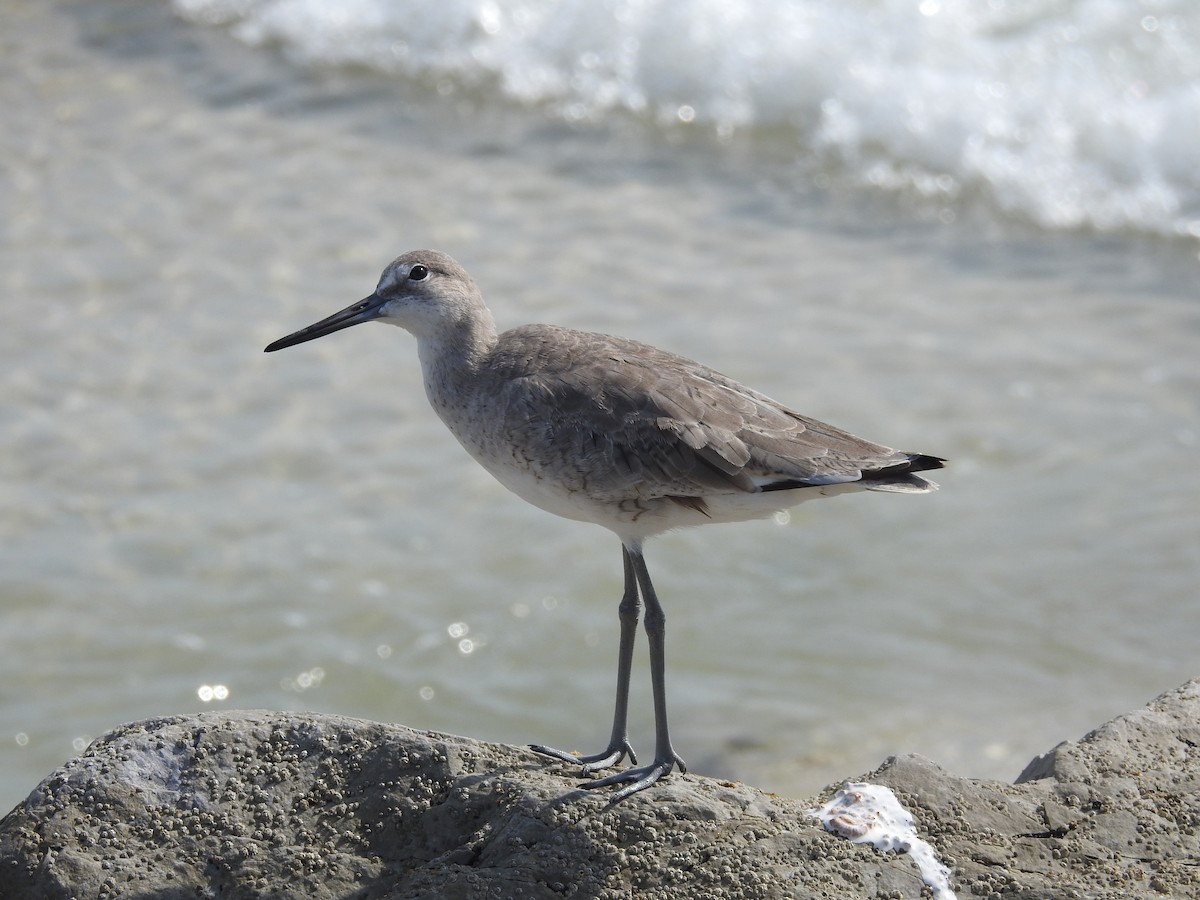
[[612, 431]]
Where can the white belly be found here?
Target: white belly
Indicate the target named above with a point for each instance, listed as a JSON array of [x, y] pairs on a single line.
[[645, 517]]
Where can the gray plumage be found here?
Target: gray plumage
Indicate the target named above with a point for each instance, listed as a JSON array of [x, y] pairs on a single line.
[[609, 430], [637, 422]]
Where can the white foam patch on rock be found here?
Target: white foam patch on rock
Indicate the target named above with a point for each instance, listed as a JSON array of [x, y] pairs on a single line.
[[870, 814]]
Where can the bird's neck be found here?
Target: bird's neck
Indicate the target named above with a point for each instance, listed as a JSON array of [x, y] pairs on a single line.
[[452, 358]]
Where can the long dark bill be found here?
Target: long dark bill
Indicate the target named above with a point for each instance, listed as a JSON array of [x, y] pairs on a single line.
[[363, 311]]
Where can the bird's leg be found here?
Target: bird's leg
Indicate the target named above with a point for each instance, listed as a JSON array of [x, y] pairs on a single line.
[[665, 757], [618, 744]]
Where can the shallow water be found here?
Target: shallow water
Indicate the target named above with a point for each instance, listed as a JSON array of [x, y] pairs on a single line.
[[182, 512]]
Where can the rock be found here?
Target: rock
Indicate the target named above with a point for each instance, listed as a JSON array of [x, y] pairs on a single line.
[[281, 805]]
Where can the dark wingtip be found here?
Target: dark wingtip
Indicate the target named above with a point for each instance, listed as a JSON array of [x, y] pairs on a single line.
[[916, 462], [920, 462]]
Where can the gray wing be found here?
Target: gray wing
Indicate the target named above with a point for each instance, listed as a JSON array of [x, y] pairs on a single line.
[[634, 421]]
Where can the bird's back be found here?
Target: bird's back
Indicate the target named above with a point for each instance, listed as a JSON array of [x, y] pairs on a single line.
[[574, 417]]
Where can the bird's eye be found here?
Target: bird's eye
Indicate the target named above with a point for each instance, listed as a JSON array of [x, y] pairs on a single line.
[[418, 273]]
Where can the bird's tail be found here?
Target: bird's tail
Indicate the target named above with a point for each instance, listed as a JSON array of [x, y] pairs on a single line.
[[902, 477]]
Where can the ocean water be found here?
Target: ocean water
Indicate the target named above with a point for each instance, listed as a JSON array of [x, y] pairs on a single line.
[[1065, 113], [187, 523]]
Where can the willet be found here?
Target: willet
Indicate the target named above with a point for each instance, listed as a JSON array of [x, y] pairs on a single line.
[[608, 430]]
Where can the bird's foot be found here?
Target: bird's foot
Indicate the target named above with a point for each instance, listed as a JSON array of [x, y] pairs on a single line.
[[640, 777], [594, 762]]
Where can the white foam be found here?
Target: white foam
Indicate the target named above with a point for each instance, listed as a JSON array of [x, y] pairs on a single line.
[[1067, 113], [870, 814]]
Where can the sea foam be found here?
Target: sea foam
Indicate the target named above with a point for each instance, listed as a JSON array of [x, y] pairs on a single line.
[[1063, 113]]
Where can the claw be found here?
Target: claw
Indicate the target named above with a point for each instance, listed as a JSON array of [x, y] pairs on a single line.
[[641, 777], [593, 762]]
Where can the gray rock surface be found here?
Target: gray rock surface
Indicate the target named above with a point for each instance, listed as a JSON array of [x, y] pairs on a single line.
[[283, 805]]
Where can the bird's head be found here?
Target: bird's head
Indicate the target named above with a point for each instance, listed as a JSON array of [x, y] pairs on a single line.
[[424, 291]]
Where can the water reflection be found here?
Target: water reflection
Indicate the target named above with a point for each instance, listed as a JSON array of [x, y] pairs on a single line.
[[305, 680], [210, 692]]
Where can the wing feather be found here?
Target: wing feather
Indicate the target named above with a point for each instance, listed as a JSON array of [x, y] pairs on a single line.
[[638, 422]]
